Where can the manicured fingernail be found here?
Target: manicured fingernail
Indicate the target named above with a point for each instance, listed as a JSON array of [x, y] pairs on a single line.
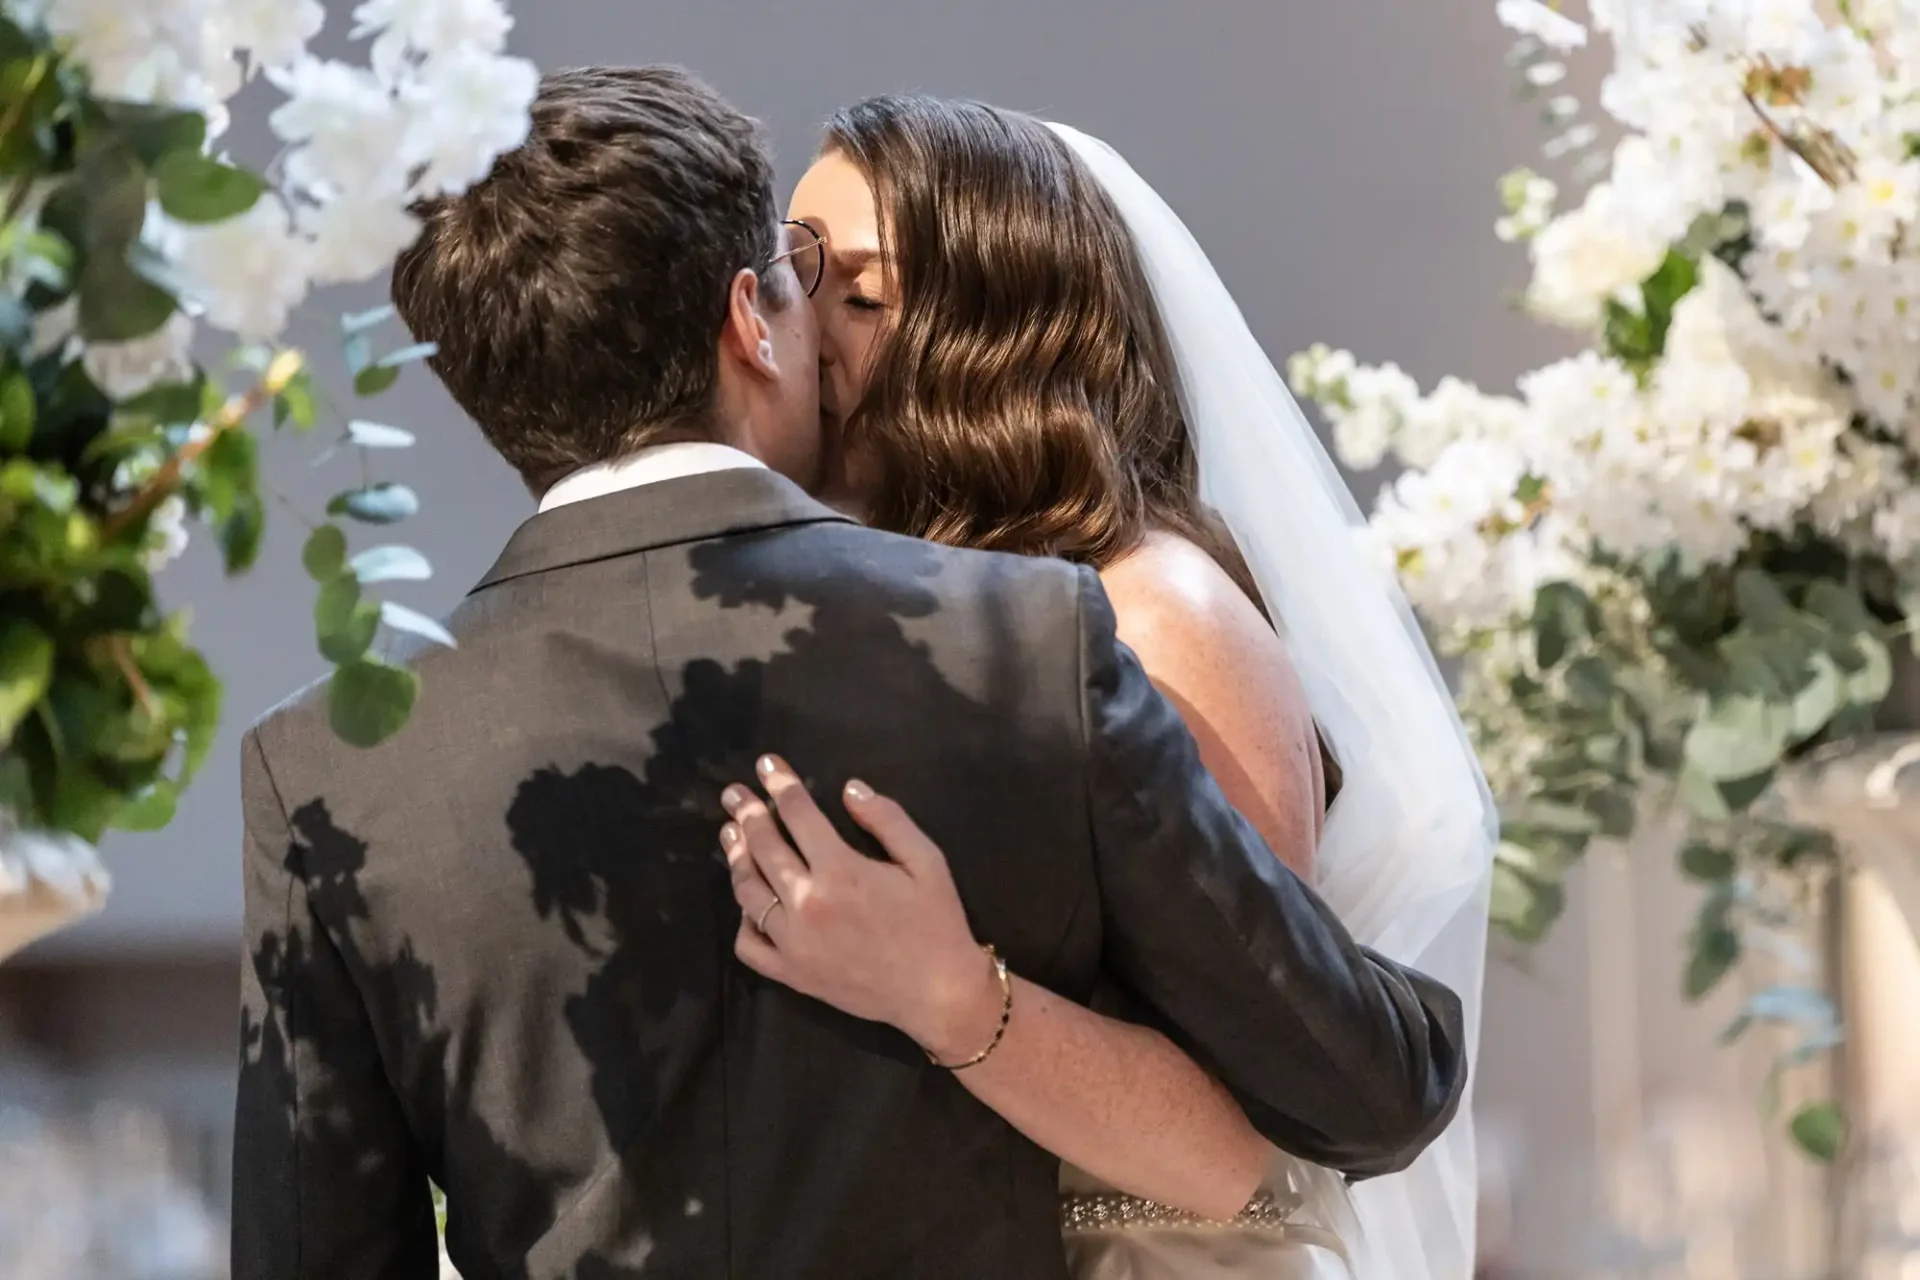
[[859, 792], [766, 765], [732, 798], [729, 836]]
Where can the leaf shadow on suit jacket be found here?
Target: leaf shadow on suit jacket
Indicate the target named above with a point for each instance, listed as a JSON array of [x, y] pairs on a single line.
[[657, 924]]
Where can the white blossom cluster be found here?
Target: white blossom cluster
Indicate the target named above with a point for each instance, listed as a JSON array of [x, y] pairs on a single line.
[[1784, 394], [435, 103]]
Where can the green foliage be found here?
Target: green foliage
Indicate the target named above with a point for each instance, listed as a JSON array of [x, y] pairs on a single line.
[[1659, 681], [1821, 1131], [197, 188], [1637, 336], [107, 711], [369, 701]]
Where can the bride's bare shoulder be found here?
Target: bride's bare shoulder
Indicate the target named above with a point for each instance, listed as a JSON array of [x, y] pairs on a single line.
[[1170, 590], [1212, 652]]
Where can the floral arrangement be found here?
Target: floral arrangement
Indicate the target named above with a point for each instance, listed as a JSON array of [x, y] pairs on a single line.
[[124, 233], [1689, 554]]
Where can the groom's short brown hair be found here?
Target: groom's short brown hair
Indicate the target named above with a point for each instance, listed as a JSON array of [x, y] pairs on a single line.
[[577, 293]]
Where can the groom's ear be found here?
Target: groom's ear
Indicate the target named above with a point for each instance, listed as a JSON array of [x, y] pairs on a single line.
[[746, 336]]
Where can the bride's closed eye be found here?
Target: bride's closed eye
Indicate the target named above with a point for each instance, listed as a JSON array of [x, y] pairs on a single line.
[[864, 302]]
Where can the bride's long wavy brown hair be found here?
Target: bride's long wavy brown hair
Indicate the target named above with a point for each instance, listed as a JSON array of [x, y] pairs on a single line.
[[1023, 397]]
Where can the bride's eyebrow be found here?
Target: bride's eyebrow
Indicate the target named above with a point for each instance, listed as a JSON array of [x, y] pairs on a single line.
[[854, 261]]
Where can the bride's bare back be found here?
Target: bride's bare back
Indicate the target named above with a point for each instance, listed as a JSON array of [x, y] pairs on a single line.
[[1209, 650]]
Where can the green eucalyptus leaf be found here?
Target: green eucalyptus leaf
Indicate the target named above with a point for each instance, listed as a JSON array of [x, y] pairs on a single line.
[[117, 303], [333, 607], [16, 783], [171, 404], [152, 809], [1525, 906], [344, 623], [374, 379], [1869, 686], [196, 188], [1820, 1130], [1737, 737], [1789, 846], [1841, 607], [1816, 704], [354, 636], [1615, 810], [297, 403], [1740, 793], [1564, 819], [1910, 614], [16, 413], [1707, 863], [1702, 795], [83, 801], [26, 671], [241, 532], [1715, 951], [1761, 601], [1562, 615], [325, 553], [228, 471], [376, 504], [113, 186], [391, 564], [154, 131], [368, 701], [1590, 681]]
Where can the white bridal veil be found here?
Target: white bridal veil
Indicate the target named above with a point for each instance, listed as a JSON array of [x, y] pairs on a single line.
[[1407, 854]]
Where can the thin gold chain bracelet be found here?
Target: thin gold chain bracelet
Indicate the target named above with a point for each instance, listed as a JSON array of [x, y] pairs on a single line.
[[1006, 1016]]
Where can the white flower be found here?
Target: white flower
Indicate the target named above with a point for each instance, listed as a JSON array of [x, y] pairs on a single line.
[[1453, 410], [356, 239], [467, 109], [1883, 198], [125, 369], [435, 27], [1784, 209], [1528, 198], [1443, 529], [1586, 256], [166, 534], [1361, 440], [249, 272], [48, 879], [350, 131], [273, 32], [1547, 25], [1897, 526]]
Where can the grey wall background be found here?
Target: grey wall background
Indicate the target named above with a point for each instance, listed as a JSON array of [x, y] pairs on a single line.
[[1338, 161]]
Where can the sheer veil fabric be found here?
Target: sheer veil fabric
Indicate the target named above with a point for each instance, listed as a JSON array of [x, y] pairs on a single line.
[[1407, 854]]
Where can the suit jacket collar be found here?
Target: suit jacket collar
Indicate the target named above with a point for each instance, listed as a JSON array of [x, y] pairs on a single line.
[[710, 505]]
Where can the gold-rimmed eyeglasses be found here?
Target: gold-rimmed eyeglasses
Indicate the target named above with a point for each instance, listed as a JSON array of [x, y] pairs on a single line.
[[807, 249]]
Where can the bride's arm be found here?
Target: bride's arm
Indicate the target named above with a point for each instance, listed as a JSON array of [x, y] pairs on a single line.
[[890, 942], [1207, 648]]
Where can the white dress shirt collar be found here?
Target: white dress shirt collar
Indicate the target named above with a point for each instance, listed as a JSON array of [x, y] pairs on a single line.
[[649, 466]]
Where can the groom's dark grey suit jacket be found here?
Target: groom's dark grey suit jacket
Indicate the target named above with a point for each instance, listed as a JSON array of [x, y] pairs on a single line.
[[497, 951]]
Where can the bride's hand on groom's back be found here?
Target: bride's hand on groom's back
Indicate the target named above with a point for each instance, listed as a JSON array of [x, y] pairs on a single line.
[[886, 941]]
